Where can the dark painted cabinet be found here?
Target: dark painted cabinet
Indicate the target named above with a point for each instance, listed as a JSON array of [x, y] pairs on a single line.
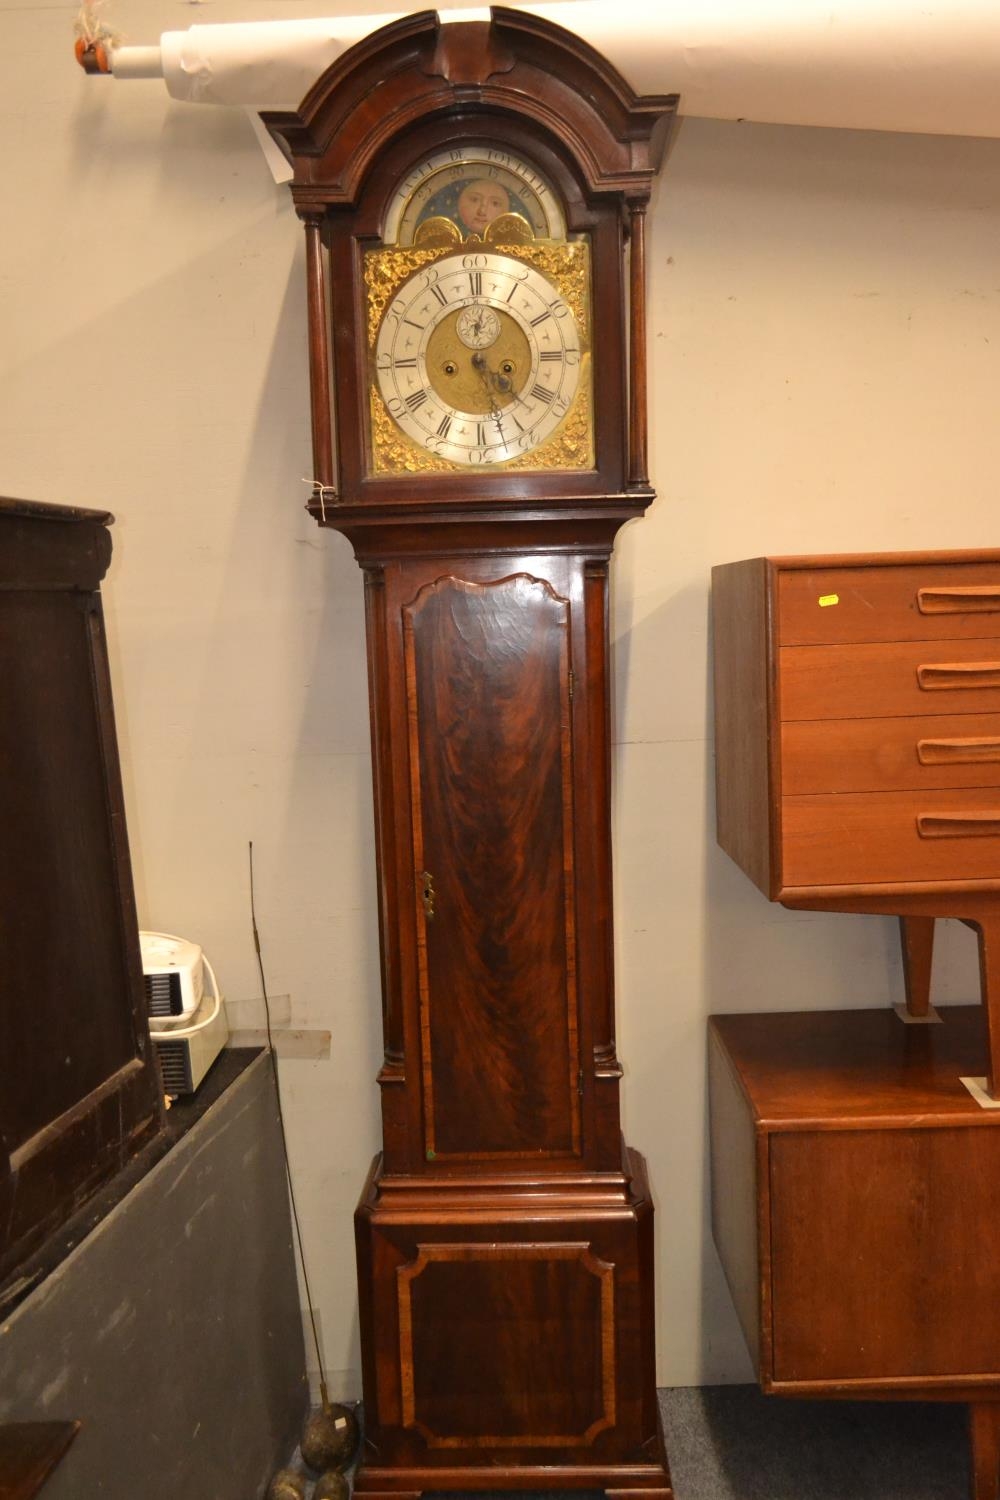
[[79, 1088]]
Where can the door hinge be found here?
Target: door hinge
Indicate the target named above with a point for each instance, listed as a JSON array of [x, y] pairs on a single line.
[[572, 685]]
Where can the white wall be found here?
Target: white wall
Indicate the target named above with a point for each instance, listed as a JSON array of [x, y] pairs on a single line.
[[825, 332]]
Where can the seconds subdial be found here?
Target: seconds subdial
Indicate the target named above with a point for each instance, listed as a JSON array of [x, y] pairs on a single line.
[[478, 326]]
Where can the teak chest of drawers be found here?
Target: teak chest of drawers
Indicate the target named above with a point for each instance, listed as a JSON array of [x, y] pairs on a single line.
[[857, 705]]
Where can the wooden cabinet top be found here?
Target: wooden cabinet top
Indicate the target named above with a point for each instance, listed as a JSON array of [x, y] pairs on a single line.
[[849, 1070], [871, 559]]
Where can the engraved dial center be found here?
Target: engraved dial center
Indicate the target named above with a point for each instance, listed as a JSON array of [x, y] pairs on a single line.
[[478, 379]]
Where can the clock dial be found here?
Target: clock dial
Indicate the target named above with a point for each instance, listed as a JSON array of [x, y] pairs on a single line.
[[468, 188], [478, 358]]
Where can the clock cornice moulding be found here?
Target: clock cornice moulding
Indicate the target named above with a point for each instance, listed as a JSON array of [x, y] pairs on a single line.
[[517, 65]]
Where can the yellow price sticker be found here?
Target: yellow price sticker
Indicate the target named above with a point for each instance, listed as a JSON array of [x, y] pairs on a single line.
[[825, 600]]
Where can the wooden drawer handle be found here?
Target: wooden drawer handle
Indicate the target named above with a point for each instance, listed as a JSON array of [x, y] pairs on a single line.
[[959, 674], [962, 599], [957, 752], [968, 825]]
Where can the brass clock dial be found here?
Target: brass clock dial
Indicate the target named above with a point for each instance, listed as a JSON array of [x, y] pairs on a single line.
[[479, 358]]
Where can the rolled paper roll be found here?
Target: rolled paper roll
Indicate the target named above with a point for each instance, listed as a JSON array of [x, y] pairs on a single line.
[[861, 64]]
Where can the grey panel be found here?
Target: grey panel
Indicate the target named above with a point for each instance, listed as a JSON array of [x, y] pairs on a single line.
[[173, 1331]]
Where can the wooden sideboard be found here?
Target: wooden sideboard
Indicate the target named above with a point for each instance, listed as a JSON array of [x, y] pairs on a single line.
[[855, 1197], [857, 705]]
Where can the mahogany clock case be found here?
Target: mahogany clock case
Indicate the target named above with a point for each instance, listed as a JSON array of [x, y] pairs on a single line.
[[504, 1236]]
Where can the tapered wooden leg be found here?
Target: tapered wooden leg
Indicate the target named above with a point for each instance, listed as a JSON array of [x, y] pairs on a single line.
[[984, 1434], [916, 936], [988, 929]]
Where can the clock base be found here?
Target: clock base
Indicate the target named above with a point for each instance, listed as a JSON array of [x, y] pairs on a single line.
[[651, 1480], [507, 1330]]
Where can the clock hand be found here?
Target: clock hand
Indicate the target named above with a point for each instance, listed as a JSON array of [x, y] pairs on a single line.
[[489, 379], [492, 379]]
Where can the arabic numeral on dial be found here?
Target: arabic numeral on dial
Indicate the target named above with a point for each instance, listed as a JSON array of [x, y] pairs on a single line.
[[474, 262], [559, 309], [527, 440], [394, 406], [384, 361], [571, 356], [560, 406]]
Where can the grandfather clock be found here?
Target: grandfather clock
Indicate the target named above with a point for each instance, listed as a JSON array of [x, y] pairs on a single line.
[[474, 197]]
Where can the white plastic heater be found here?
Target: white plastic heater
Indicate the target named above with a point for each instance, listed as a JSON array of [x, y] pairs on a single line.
[[187, 1020]]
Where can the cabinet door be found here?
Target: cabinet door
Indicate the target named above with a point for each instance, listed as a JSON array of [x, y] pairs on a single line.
[[881, 1255], [487, 667]]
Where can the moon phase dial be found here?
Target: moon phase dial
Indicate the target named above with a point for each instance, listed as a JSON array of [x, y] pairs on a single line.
[[478, 358]]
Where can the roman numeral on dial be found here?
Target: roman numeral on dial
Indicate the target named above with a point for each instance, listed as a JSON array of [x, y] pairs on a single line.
[[540, 393], [416, 399]]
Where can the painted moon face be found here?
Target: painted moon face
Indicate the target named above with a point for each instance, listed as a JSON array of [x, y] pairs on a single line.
[[468, 189]]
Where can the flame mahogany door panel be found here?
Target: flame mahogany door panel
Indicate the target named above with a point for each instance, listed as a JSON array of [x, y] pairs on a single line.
[[491, 768]]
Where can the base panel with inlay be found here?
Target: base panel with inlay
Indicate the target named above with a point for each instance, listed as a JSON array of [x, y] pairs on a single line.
[[517, 1330]]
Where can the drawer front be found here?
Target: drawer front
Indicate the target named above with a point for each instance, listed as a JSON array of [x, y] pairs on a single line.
[[890, 755], [882, 681], [874, 837], [831, 606], [881, 1261]]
